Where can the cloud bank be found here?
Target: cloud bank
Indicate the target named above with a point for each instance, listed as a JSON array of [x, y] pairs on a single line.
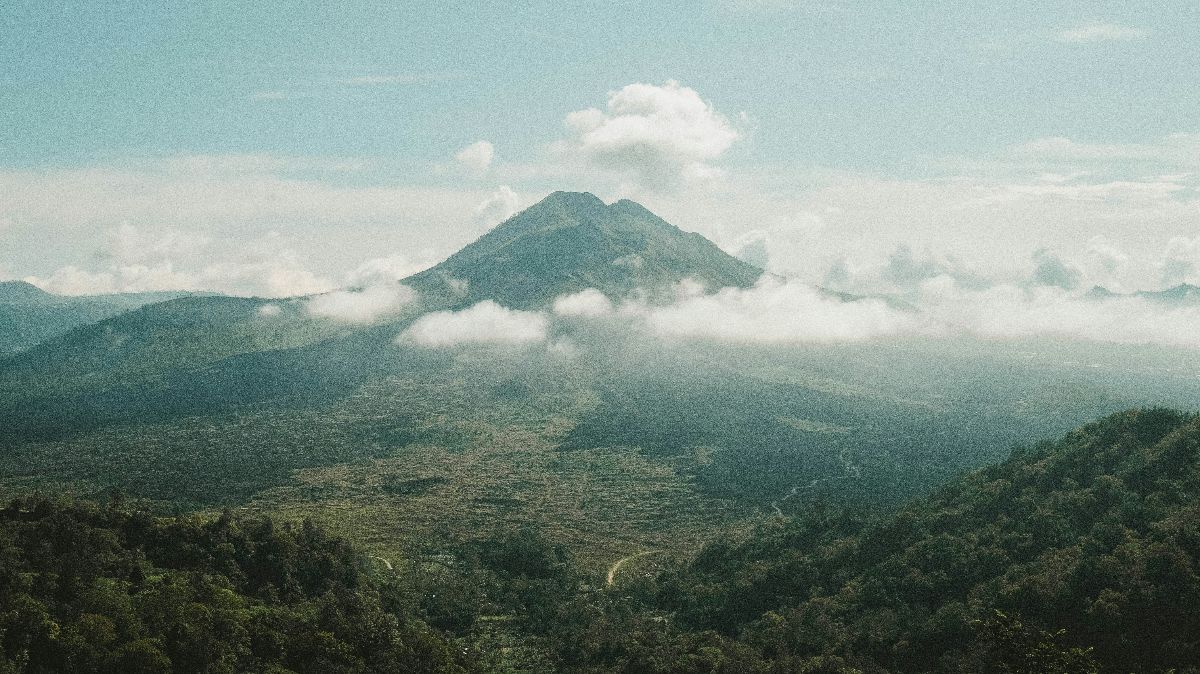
[[484, 323]]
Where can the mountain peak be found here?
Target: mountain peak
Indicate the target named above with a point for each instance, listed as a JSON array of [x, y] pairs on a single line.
[[585, 200], [571, 241]]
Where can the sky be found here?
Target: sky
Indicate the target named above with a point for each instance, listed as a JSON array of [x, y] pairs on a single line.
[[289, 148]]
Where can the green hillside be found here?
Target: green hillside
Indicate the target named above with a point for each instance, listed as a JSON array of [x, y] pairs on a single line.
[[30, 316], [1070, 556]]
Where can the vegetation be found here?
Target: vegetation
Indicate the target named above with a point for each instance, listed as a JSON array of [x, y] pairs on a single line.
[[86, 588], [1074, 556]]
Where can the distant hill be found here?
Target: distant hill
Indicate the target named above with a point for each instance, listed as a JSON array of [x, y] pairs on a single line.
[[1182, 294], [571, 241], [150, 341], [30, 315]]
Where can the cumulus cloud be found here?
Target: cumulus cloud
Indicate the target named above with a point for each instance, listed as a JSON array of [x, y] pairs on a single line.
[[476, 157], [1100, 32], [498, 207], [484, 323], [654, 135], [589, 303], [362, 306]]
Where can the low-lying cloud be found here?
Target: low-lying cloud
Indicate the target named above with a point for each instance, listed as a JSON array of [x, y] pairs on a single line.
[[484, 323], [773, 312], [362, 306]]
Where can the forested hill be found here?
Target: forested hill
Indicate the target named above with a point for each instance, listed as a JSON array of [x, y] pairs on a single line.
[[86, 588], [1090, 542]]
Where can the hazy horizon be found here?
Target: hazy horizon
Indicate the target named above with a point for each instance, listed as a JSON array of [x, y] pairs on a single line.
[[275, 153]]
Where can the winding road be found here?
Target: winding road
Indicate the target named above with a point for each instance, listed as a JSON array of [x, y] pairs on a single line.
[[612, 570]]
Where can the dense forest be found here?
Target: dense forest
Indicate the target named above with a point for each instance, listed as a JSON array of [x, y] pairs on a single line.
[[1073, 556], [94, 588]]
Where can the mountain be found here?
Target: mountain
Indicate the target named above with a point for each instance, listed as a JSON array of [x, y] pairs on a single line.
[[571, 241], [1180, 294], [30, 315], [565, 243], [151, 341], [1184, 294]]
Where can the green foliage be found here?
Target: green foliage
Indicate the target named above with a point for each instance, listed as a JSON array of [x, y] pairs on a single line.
[[85, 588], [1075, 556]]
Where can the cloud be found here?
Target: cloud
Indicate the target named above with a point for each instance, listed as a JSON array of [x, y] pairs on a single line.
[[1173, 151], [1010, 312], [1180, 261], [269, 310], [387, 270], [1100, 32], [202, 216], [362, 306], [498, 207], [482, 323], [588, 303], [773, 312], [476, 157], [654, 135], [901, 272]]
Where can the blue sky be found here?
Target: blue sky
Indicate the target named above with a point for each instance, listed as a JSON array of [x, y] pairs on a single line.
[[836, 110]]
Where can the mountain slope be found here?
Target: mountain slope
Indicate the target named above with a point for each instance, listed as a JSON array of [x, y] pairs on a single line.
[[571, 241], [30, 315], [1097, 534]]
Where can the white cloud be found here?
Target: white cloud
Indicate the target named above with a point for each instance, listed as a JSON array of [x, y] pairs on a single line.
[[589, 303], [482, 323], [1007, 312], [362, 306], [476, 157], [269, 310], [498, 207], [207, 215], [387, 270], [773, 312], [1174, 151], [1100, 32], [654, 135]]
